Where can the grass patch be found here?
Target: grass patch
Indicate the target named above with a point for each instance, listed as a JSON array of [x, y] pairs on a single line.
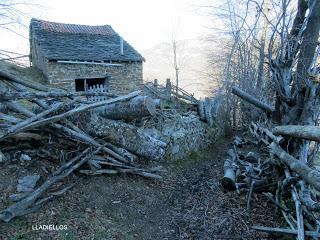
[[23, 73], [194, 156]]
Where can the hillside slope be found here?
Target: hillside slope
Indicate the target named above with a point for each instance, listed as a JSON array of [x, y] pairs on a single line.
[[193, 61]]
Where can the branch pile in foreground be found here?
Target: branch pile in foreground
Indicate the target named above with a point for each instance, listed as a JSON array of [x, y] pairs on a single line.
[[286, 182], [52, 124]]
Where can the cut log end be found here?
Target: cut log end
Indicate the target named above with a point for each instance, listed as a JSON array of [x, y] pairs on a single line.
[[228, 184]]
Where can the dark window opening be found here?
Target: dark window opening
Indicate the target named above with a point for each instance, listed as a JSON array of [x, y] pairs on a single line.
[[79, 85], [85, 84]]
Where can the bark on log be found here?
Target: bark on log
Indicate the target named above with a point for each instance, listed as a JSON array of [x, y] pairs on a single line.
[[24, 206], [264, 134], [229, 179], [21, 126], [306, 199], [137, 107], [119, 171], [77, 110], [311, 176], [305, 132], [26, 95], [71, 130], [245, 96], [36, 86], [127, 136], [285, 231]]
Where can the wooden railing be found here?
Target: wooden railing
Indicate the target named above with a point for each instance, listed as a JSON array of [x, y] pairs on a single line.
[[169, 91], [97, 88], [207, 108]]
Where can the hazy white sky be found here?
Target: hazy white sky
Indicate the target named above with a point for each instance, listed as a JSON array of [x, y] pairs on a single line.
[[143, 23]]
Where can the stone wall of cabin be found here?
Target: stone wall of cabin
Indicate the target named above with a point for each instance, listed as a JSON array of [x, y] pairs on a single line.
[[122, 79], [37, 57]]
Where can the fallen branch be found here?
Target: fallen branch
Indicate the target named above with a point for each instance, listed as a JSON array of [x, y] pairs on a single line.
[[77, 110], [305, 172], [29, 84], [305, 132], [297, 203], [118, 171], [26, 124], [285, 231], [6, 96], [72, 131], [245, 96], [23, 207]]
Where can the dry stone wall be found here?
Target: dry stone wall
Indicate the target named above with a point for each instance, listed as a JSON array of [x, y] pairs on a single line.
[[122, 79], [185, 135]]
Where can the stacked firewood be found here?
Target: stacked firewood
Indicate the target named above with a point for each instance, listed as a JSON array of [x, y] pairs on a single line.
[[34, 116], [289, 184]]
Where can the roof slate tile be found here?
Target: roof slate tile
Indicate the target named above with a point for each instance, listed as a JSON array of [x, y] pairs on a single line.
[[60, 41]]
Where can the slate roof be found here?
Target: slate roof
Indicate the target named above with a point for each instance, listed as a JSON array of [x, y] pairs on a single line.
[[60, 41]]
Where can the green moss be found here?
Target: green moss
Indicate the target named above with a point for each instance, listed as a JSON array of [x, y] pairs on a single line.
[[193, 157]]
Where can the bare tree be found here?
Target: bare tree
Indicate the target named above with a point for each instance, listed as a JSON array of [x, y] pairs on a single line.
[[14, 17], [275, 67], [175, 64]]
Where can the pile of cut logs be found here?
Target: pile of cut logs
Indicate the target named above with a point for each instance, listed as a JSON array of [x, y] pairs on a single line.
[[289, 184], [47, 122]]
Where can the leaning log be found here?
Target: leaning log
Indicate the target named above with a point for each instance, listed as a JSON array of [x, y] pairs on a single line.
[[311, 176], [127, 136], [71, 130], [305, 132], [250, 99], [21, 126], [25, 206], [41, 122], [11, 78], [29, 95], [137, 107]]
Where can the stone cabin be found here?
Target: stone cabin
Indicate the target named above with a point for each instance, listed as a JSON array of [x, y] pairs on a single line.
[[78, 57]]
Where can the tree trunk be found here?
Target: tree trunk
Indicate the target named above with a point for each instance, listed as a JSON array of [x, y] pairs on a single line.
[[252, 100], [137, 107], [266, 10], [311, 133], [298, 96], [229, 179]]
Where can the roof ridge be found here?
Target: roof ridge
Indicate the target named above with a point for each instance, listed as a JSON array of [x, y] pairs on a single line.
[[73, 28], [41, 20]]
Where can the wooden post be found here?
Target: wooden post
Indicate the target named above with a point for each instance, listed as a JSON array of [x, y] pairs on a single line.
[[168, 88], [155, 83], [85, 84], [107, 83]]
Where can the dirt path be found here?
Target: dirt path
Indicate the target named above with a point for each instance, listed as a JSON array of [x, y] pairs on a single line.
[[188, 204]]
